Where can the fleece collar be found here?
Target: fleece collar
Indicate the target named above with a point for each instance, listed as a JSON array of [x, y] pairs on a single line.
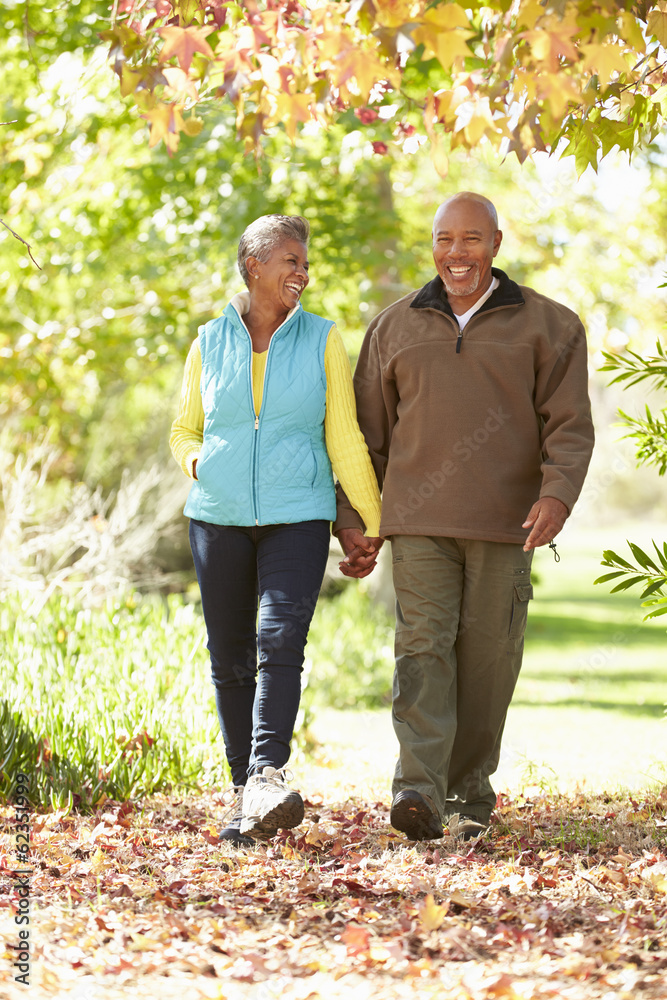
[[434, 296]]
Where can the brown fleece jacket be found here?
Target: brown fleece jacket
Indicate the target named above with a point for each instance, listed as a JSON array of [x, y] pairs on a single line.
[[466, 430]]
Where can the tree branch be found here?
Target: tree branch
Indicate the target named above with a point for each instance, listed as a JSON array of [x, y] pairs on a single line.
[[21, 240]]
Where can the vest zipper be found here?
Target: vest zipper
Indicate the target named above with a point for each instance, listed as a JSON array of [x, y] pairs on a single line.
[[255, 497], [254, 467], [253, 464]]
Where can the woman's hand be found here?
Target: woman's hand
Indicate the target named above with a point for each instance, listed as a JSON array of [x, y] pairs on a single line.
[[360, 552], [194, 468]]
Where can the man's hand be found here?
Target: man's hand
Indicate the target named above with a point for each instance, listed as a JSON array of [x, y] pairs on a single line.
[[360, 552], [546, 518]]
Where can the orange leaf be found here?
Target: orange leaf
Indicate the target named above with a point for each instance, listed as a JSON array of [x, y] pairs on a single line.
[[356, 939], [183, 43]]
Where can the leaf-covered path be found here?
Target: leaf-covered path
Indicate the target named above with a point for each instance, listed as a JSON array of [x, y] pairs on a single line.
[[566, 898]]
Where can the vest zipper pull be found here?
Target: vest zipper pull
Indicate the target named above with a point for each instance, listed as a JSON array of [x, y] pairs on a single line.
[[458, 342], [257, 422]]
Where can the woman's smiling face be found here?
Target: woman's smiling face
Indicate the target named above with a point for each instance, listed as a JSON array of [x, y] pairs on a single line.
[[283, 277]]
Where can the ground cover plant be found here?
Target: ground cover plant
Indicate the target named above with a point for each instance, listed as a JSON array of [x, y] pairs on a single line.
[[115, 700], [565, 898]]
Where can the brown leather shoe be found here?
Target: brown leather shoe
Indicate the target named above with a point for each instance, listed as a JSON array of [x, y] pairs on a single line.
[[415, 816]]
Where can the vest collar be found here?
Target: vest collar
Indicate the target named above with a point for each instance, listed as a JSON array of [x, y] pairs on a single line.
[[240, 303]]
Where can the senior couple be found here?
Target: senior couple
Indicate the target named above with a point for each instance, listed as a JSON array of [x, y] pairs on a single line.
[[469, 413]]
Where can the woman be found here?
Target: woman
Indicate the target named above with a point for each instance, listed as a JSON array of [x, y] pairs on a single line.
[[267, 408]]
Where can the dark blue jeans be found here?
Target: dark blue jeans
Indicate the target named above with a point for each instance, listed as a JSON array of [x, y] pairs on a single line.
[[259, 587]]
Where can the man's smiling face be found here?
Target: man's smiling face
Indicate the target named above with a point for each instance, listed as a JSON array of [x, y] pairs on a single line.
[[465, 241]]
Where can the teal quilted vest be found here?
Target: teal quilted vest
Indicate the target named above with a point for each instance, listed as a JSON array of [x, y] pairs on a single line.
[[274, 468]]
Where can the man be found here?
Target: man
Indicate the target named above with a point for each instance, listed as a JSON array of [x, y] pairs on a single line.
[[472, 396]]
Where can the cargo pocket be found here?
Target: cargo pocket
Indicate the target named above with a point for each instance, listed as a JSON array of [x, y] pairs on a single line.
[[523, 593]]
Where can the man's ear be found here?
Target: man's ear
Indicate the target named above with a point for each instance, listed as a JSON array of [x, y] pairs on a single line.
[[497, 240]]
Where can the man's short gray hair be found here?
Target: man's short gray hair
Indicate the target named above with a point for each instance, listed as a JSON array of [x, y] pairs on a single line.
[[263, 235]]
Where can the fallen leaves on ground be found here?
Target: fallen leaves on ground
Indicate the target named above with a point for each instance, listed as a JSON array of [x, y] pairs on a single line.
[[566, 897]]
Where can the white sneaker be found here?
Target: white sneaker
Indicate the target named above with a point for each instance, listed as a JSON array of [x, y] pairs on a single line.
[[232, 818], [269, 804]]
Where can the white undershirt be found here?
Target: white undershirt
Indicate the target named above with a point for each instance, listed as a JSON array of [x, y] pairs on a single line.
[[464, 317]]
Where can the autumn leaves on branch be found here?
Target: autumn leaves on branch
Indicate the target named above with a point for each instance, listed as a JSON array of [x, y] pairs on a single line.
[[522, 75]]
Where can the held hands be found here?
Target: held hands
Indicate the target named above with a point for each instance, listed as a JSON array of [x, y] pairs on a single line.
[[546, 518], [360, 552]]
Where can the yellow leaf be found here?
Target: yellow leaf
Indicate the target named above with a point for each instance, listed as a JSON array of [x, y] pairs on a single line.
[[166, 122], [605, 60], [549, 47], [290, 109], [657, 25], [447, 16], [140, 942], [180, 83], [480, 121], [557, 90], [269, 67], [660, 97], [446, 45], [656, 876], [394, 13], [529, 14], [461, 900], [367, 69], [99, 862], [129, 81], [432, 914], [630, 31]]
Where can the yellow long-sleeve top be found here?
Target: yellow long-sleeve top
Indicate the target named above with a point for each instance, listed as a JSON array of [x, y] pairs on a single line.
[[345, 443]]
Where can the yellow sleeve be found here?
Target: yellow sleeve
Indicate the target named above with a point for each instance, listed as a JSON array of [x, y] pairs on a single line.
[[187, 430], [345, 442]]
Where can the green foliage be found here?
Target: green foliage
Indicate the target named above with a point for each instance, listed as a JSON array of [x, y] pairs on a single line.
[[116, 700], [350, 652], [650, 432], [648, 573], [651, 449], [519, 76], [113, 700], [137, 249], [634, 368]]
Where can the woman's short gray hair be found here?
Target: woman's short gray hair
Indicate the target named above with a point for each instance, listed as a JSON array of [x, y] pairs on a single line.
[[263, 235]]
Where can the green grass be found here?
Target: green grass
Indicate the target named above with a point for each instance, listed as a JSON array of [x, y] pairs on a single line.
[[588, 648], [116, 700], [110, 701]]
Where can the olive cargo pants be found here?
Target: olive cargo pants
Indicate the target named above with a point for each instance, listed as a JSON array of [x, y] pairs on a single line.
[[461, 610]]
